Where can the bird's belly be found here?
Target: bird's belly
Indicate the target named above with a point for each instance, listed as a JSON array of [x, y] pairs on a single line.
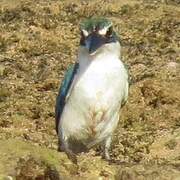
[[98, 91], [89, 112]]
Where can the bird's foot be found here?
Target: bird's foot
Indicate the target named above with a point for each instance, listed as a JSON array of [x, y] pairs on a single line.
[[59, 149], [106, 155], [69, 153], [72, 156], [106, 148]]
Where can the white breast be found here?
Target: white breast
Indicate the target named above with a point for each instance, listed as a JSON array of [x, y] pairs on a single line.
[[95, 98]]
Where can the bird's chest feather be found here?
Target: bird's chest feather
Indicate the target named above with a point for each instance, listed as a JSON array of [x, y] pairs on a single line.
[[97, 89], [97, 81], [94, 99]]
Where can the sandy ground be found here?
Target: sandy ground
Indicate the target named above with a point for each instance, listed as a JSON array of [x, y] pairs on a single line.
[[39, 39]]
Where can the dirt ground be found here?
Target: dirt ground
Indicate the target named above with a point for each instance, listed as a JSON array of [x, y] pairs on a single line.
[[39, 39]]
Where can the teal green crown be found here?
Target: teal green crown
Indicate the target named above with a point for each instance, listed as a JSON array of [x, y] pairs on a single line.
[[90, 24]]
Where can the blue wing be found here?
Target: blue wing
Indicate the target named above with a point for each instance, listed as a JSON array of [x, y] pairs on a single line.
[[63, 91]]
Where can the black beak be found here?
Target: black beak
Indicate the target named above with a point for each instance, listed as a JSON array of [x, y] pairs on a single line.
[[93, 42]]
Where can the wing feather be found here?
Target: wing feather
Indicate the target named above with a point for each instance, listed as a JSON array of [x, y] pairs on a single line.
[[63, 91]]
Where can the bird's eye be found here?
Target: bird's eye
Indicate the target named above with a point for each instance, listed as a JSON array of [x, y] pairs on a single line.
[[109, 32]]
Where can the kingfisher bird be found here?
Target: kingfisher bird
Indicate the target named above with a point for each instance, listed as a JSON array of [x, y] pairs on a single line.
[[93, 91]]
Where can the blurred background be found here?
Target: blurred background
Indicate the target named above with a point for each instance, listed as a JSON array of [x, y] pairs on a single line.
[[39, 39]]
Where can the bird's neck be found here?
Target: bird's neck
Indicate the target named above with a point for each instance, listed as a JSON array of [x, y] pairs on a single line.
[[106, 54]]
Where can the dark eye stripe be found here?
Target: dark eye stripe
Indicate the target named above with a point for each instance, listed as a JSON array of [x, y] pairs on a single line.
[[82, 41], [109, 32]]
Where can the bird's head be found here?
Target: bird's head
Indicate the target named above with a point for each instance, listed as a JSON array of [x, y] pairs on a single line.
[[98, 34]]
